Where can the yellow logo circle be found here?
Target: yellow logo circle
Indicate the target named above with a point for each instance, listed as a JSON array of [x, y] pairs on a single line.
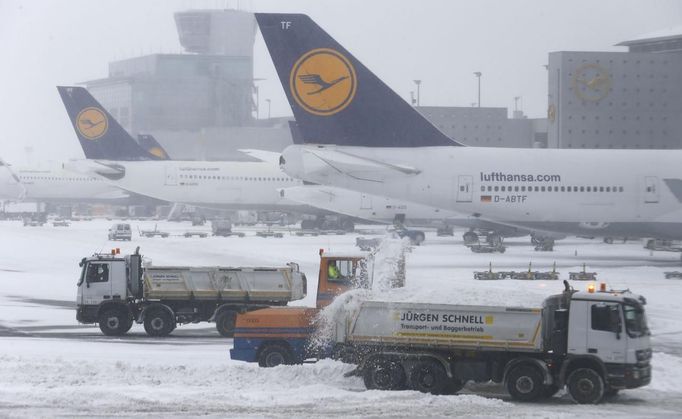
[[92, 123], [323, 82]]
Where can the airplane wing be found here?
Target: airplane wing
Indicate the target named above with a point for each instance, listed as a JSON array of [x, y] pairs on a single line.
[[358, 167], [98, 168], [271, 157]]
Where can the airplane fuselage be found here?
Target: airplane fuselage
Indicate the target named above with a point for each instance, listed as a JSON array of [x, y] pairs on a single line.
[[56, 185], [226, 185], [596, 192]]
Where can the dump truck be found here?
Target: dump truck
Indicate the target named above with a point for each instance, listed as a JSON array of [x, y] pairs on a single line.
[[594, 343], [115, 291], [281, 335]]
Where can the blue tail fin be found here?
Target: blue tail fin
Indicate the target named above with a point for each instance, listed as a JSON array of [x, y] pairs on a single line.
[[149, 143], [98, 132], [336, 99]]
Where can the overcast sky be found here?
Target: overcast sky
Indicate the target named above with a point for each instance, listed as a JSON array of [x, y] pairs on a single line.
[[48, 43]]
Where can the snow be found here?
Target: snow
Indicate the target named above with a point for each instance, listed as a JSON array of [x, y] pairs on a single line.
[[50, 365]]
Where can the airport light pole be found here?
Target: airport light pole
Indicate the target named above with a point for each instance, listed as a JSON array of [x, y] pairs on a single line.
[[478, 75], [418, 83], [269, 102]]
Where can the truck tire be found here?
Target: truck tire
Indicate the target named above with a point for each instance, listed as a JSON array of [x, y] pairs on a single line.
[[224, 323], [158, 323], [585, 386], [384, 374], [524, 383], [274, 354], [113, 322], [429, 376]]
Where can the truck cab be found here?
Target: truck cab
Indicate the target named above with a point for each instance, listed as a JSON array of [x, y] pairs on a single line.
[[280, 335], [106, 281], [611, 328]]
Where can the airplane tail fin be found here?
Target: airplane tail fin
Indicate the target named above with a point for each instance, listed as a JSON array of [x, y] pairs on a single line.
[[99, 133], [149, 143], [334, 97]]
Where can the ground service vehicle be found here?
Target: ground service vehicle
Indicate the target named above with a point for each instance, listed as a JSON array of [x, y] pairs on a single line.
[[594, 343], [281, 335], [116, 291], [120, 231]]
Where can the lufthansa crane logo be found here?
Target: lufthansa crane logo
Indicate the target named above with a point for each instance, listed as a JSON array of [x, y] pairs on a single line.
[[92, 123], [323, 82]]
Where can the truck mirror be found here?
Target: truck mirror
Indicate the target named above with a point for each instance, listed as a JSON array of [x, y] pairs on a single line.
[[81, 263]]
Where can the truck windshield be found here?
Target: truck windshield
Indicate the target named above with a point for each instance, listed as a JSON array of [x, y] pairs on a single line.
[[635, 321]]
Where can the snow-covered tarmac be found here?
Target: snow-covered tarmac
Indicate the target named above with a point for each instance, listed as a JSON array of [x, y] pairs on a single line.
[[52, 366]]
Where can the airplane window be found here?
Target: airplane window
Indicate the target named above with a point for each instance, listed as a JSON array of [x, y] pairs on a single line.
[[556, 189], [497, 188], [523, 189], [588, 189], [582, 189], [490, 188], [542, 189], [601, 189], [537, 189], [620, 189], [608, 189], [563, 188], [502, 188], [516, 188], [482, 188], [594, 189]]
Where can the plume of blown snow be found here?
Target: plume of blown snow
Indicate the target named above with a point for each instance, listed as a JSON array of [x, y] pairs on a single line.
[[387, 270]]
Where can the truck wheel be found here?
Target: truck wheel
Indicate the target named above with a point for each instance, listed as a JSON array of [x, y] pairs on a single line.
[[224, 322], [585, 386], [524, 383], [273, 355], [384, 374], [429, 377], [113, 322], [158, 323]]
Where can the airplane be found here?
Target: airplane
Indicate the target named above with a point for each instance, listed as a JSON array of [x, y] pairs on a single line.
[[360, 135], [385, 210], [54, 184], [113, 155]]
